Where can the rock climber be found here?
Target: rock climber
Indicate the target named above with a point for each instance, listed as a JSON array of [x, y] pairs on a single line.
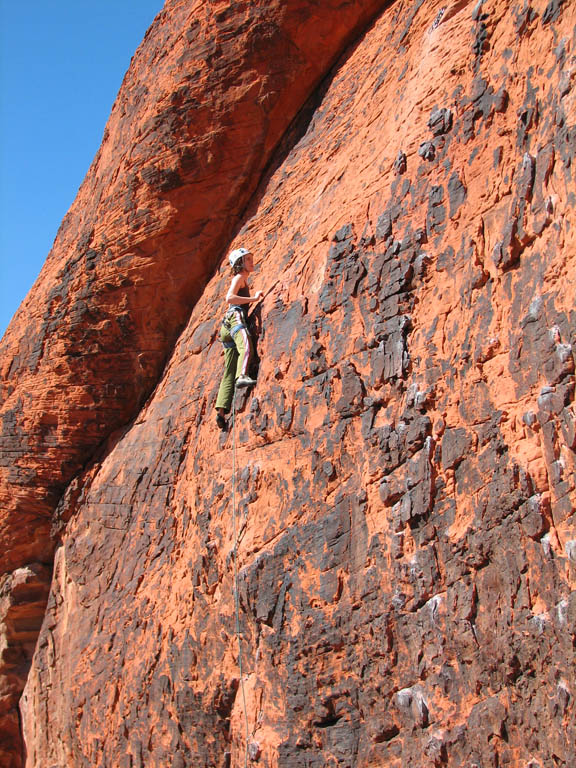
[[234, 333]]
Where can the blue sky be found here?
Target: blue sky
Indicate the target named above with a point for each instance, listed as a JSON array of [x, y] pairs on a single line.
[[61, 65]]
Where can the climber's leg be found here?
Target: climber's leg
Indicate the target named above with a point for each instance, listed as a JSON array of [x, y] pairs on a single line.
[[226, 389], [243, 343]]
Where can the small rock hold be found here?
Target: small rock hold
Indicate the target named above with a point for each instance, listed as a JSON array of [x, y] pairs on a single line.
[[439, 427], [562, 696], [404, 698], [440, 121], [564, 352], [254, 751], [412, 700], [457, 193], [435, 750], [552, 11], [561, 612], [387, 493], [427, 150], [526, 179], [570, 549], [438, 18], [343, 234], [547, 403], [384, 226], [546, 545], [529, 418], [477, 10], [534, 312], [501, 100], [400, 164], [565, 84], [328, 469]]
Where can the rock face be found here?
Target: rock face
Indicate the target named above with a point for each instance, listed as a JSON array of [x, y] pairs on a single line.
[[397, 499], [209, 97]]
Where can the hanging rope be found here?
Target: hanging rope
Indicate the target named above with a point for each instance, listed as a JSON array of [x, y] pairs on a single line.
[[236, 591]]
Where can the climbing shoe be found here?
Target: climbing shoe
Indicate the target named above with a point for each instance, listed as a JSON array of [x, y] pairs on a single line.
[[221, 422], [245, 381]]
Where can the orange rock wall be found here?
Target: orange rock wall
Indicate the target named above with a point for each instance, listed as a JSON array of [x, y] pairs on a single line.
[[210, 94], [404, 467]]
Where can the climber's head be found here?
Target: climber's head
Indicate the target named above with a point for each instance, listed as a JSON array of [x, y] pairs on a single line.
[[241, 259]]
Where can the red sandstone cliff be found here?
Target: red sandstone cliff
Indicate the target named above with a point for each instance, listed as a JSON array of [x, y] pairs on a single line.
[[405, 477]]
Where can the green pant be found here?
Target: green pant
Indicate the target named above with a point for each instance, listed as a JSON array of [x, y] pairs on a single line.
[[237, 353]]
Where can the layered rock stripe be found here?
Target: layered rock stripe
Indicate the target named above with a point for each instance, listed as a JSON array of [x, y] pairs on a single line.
[[405, 462]]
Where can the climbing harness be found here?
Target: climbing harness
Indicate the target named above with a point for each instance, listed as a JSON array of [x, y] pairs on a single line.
[[233, 321], [236, 592]]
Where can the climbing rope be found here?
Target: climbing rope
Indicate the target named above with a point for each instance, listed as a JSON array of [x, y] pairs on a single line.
[[236, 591]]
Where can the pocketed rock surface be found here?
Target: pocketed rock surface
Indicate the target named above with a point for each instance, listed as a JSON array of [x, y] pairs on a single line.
[[400, 484]]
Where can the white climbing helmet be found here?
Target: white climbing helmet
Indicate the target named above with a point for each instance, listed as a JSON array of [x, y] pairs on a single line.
[[235, 256]]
